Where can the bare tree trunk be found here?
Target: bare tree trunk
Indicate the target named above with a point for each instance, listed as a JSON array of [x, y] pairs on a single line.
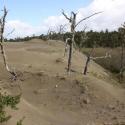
[[70, 57], [122, 33], [2, 26], [3, 54], [87, 62], [66, 46], [86, 65], [72, 43], [122, 59]]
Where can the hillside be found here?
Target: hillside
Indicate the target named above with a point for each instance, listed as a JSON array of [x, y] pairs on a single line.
[[50, 96]]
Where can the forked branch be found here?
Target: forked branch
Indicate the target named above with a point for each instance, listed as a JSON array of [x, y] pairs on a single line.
[[66, 16]]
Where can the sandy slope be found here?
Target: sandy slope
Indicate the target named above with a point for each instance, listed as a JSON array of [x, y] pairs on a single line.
[[50, 96]]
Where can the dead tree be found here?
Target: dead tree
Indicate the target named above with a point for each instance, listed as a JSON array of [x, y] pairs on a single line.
[[50, 33], [84, 37], [73, 25], [87, 61], [2, 27], [61, 31], [122, 61], [122, 67], [89, 58]]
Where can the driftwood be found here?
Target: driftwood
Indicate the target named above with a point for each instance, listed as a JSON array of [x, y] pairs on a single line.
[[2, 27], [73, 25]]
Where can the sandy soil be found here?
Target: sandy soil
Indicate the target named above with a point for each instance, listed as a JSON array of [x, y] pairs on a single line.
[[52, 97]]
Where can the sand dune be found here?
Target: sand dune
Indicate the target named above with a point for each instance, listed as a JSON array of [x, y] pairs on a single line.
[[50, 96]]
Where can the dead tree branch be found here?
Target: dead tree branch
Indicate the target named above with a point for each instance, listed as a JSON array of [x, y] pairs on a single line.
[[66, 16], [87, 18], [89, 58], [10, 33], [102, 57]]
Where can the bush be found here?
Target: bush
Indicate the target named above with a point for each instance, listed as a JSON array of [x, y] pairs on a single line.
[[7, 101]]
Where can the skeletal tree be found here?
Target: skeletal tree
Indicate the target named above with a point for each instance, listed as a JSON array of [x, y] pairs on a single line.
[[2, 28], [84, 37], [90, 57], [122, 67], [60, 31], [71, 42], [73, 25], [50, 33]]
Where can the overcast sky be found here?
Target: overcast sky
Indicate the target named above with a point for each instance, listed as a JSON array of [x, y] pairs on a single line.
[[29, 17]]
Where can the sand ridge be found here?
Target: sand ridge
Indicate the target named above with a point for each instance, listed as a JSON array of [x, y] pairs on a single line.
[[50, 96]]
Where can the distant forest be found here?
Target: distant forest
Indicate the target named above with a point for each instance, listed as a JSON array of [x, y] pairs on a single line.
[[83, 39]]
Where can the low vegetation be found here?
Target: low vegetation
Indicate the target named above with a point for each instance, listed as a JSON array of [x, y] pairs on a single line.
[[7, 100]]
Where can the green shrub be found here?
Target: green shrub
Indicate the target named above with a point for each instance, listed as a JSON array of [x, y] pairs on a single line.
[[7, 101]]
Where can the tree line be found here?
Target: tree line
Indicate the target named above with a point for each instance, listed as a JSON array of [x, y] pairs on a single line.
[[92, 38], [83, 38]]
